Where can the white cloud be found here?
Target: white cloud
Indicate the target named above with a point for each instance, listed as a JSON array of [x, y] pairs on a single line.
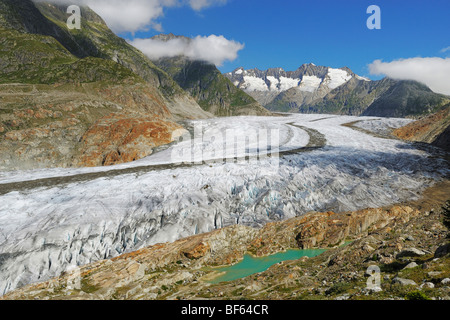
[[202, 4], [130, 15], [136, 15], [445, 50], [434, 72], [213, 49]]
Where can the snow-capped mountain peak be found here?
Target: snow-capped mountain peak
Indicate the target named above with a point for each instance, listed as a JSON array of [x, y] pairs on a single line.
[[306, 78], [309, 80]]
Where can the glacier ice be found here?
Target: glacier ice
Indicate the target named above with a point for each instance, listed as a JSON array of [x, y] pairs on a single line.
[[46, 230]]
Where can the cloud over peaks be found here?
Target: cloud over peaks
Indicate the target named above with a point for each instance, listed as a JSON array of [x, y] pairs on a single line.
[[434, 71], [213, 49]]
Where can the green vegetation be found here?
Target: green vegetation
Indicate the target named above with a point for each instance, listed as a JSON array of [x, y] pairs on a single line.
[[37, 59], [87, 287], [416, 295], [45, 51], [214, 92], [339, 288]]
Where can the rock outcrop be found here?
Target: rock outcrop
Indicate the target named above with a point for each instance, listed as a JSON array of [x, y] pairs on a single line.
[[118, 139], [434, 129], [327, 229]]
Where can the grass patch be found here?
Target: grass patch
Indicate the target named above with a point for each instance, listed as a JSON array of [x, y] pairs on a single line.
[[87, 287], [416, 295], [339, 288]]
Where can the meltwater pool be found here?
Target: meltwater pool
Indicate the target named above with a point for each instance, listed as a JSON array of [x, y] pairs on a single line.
[[251, 265]]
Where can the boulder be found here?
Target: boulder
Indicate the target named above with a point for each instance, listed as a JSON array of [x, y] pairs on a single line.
[[410, 252], [434, 274], [442, 251], [428, 285], [411, 265], [404, 282]]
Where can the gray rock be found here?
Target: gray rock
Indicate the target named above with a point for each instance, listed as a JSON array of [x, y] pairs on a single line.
[[446, 281], [428, 285], [434, 274], [404, 282], [343, 297], [410, 252], [375, 289], [410, 238], [411, 265]]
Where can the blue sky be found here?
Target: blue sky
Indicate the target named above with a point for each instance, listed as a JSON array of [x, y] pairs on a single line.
[[288, 33]]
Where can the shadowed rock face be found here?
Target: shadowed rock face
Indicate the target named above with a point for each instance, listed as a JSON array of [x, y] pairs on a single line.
[[443, 140], [213, 91]]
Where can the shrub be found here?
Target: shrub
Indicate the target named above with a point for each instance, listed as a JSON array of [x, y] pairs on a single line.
[[416, 295]]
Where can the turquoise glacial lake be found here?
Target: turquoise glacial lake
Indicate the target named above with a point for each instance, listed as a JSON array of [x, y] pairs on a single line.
[[251, 265]]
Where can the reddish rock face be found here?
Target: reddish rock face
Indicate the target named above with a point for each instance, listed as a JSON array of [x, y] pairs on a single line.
[[426, 129], [127, 136], [120, 138], [197, 251], [89, 125]]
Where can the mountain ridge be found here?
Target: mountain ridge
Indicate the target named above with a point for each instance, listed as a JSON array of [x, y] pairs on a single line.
[[319, 89]]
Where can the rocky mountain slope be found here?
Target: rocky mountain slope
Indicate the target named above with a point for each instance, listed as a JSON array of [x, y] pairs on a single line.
[[407, 242], [65, 93], [203, 81], [434, 129], [318, 89]]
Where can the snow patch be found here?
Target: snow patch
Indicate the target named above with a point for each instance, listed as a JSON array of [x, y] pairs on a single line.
[[254, 84], [288, 83], [336, 78], [274, 83], [310, 83], [362, 78]]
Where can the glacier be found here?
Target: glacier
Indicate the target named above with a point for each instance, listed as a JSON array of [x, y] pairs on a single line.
[[54, 219]]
